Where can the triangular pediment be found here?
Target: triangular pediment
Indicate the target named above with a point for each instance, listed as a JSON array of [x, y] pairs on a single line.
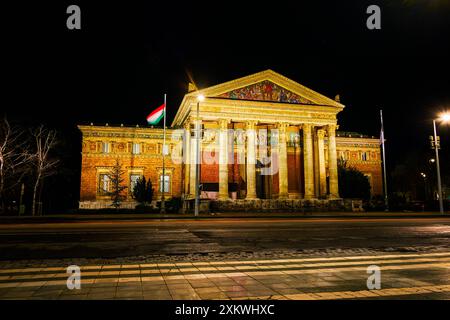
[[265, 90], [267, 86]]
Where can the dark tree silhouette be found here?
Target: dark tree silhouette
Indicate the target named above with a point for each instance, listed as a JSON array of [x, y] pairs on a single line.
[[143, 191], [117, 187], [352, 182]]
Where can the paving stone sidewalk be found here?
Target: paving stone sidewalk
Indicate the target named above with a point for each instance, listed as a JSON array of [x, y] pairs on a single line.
[[403, 276]]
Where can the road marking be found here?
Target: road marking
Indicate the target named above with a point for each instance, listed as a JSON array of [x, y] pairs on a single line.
[[172, 222], [173, 276], [142, 275], [339, 261], [367, 293]]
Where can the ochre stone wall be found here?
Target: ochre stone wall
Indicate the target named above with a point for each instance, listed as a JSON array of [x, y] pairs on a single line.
[[148, 161], [374, 171], [361, 153], [150, 168], [295, 172]]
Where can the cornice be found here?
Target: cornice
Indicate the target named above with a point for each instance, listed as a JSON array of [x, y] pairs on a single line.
[[366, 162], [211, 93], [124, 132], [272, 76]]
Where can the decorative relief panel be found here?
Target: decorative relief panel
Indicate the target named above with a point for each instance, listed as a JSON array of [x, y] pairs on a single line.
[[265, 91]]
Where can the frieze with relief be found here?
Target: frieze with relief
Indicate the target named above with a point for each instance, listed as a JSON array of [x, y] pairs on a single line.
[[265, 91], [123, 135]]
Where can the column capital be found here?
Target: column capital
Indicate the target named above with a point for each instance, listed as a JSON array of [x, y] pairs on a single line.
[[223, 123], [320, 133], [282, 126], [331, 129], [250, 124], [307, 127]]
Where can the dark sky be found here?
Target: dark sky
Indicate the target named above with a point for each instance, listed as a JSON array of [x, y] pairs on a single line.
[[128, 54]]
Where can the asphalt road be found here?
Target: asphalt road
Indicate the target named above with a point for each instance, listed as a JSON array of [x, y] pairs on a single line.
[[97, 239]]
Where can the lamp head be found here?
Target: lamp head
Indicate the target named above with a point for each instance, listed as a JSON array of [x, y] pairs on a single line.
[[200, 97], [445, 117]]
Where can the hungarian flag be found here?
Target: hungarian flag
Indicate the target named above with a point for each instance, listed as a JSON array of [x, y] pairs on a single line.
[[156, 115]]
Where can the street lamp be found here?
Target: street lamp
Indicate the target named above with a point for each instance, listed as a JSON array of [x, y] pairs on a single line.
[[424, 176], [444, 117], [197, 156]]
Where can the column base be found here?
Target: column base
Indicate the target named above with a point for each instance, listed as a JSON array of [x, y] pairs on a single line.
[[333, 197]]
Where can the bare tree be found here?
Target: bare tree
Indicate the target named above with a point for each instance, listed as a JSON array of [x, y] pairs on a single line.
[[44, 165], [14, 158]]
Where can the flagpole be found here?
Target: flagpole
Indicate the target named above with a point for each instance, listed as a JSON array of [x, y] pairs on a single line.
[[163, 203], [386, 202]]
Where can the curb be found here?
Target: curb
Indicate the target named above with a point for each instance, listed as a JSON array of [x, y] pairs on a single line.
[[82, 218]]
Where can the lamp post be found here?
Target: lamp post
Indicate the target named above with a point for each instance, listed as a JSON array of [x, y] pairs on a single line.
[[197, 156], [443, 118], [424, 176]]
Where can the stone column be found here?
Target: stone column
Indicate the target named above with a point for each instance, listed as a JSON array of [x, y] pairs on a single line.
[[251, 160], [321, 156], [308, 161], [187, 159], [316, 164], [332, 159], [282, 162], [194, 159], [223, 159], [297, 156]]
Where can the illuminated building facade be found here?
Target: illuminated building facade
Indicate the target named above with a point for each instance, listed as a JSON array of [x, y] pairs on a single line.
[[264, 137]]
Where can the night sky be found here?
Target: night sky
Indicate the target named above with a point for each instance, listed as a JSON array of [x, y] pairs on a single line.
[[128, 54]]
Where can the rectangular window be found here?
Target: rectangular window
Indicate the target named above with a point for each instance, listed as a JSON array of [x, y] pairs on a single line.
[[104, 184], [165, 149], [133, 180], [106, 147], [364, 156], [164, 183], [347, 155], [136, 148]]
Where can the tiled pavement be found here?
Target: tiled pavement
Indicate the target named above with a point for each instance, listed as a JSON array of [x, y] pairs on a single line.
[[403, 276]]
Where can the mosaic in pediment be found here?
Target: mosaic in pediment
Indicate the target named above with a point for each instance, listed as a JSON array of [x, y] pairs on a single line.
[[265, 91]]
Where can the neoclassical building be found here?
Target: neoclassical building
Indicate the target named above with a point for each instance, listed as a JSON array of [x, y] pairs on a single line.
[[263, 137]]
